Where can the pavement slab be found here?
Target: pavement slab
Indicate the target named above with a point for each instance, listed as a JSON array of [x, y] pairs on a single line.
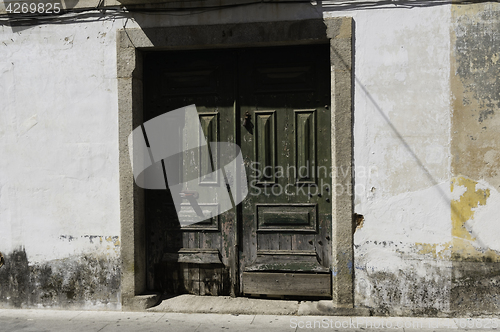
[[226, 305], [46, 320]]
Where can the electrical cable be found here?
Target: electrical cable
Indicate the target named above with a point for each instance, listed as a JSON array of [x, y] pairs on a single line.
[[104, 13], [100, 13]]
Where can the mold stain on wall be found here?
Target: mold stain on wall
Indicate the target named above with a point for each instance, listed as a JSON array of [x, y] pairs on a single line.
[[83, 282], [475, 101], [401, 279], [475, 269], [475, 91]]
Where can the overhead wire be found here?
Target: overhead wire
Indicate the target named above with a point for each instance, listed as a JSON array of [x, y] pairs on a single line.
[[100, 12]]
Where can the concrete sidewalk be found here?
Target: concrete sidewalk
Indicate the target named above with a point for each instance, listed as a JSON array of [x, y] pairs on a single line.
[[112, 321]]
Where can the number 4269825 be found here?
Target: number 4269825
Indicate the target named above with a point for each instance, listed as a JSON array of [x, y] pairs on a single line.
[[31, 7]]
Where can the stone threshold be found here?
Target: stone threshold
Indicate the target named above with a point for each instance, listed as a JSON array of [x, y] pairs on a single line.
[[238, 306]]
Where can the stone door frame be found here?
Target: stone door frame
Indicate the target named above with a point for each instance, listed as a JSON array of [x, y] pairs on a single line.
[[131, 43]]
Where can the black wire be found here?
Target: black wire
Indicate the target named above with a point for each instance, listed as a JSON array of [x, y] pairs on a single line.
[[116, 12], [140, 9], [112, 13], [73, 16], [99, 4]]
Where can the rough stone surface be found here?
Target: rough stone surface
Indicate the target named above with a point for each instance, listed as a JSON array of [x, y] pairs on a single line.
[[236, 35], [328, 308], [84, 321], [226, 305], [73, 282], [140, 302], [475, 81]]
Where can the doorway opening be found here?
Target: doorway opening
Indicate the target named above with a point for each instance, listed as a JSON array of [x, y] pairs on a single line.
[[286, 114], [274, 103]]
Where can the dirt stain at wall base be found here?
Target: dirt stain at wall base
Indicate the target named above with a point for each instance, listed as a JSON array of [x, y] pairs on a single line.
[[76, 282]]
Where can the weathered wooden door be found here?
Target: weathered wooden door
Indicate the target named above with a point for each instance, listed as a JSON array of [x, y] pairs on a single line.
[[286, 227], [183, 257], [273, 102]]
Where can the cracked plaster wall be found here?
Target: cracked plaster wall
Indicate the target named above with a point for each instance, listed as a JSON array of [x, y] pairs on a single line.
[[59, 181], [59, 209], [426, 98], [425, 157]]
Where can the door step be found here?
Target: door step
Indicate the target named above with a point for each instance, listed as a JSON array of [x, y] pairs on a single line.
[[249, 306]]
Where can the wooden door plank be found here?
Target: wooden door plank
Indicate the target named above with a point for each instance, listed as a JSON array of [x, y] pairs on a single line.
[[210, 240], [298, 284], [292, 84], [194, 256], [210, 281], [268, 241], [285, 241], [191, 278], [175, 79], [303, 242]]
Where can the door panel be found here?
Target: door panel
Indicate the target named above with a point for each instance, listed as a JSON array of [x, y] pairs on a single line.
[[286, 219], [183, 257], [272, 102], [265, 152], [291, 284]]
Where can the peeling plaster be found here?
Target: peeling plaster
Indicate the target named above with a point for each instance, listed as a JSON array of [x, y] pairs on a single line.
[[474, 221], [59, 167], [423, 246], [475, 81]]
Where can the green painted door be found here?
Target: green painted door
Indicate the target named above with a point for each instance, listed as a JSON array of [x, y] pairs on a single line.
[[272, 102], [286, 218], [197, 258]]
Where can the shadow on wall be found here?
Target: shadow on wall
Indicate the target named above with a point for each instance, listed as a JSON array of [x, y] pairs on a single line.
[[465, 295], [35, 13], [184, 13]]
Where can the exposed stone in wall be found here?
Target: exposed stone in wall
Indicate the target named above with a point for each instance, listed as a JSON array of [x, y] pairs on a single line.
[[476, 288], [475, 87], [402, 125], [475, 82], [86, 281], [402, 282], [475, 265]]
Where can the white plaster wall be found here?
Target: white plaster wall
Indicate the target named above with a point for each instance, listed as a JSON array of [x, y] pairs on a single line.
[[402, 135], [59, 149], [59, 191], [59, 140], [59, 176], [402, 111], [58, 128], [402, 123]]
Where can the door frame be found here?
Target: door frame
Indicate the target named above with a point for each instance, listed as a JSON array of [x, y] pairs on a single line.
[[131, 43]]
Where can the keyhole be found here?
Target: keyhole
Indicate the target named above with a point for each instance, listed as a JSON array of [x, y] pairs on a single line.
[[247, 122]]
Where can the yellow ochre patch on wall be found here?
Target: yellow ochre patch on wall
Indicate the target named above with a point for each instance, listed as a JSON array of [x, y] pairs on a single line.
[[436, 250], [464, 246]]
